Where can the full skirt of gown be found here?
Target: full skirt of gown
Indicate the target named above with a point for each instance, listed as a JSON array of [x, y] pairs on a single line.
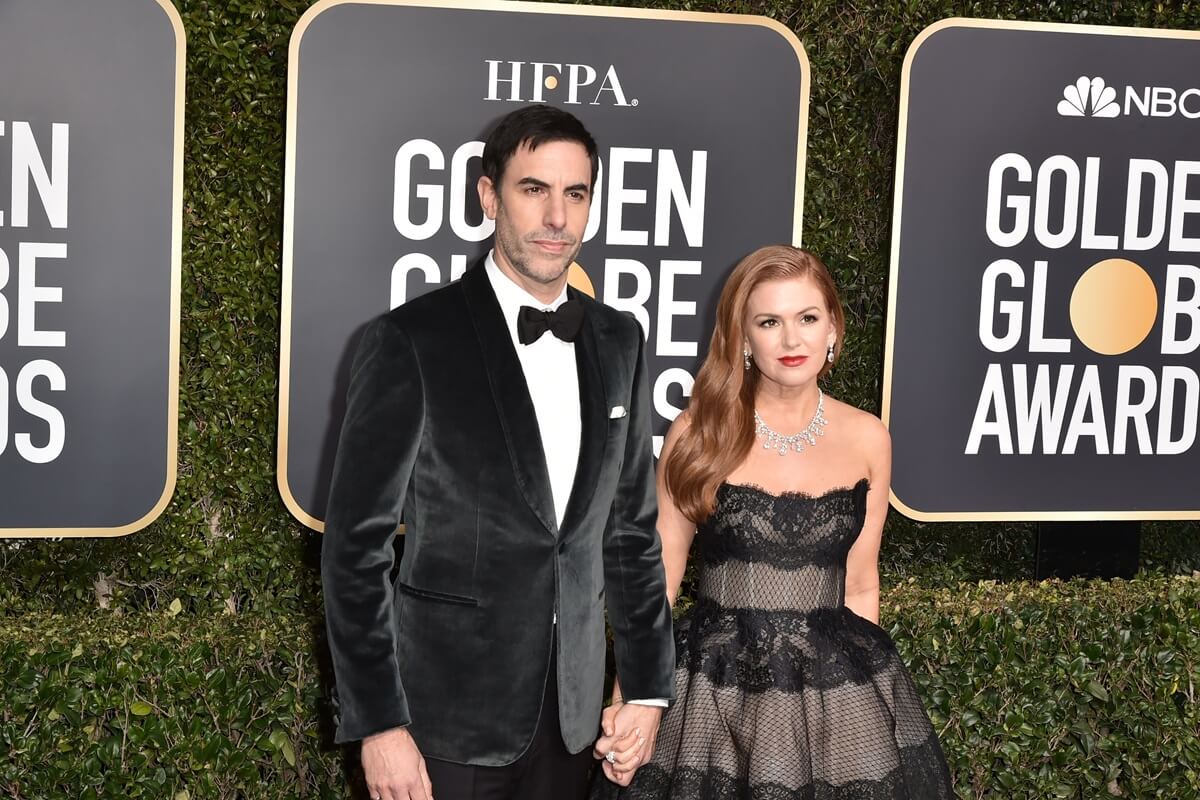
[[783, 693]]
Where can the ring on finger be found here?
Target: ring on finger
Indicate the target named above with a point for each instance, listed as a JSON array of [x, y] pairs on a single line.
[[611, 756]]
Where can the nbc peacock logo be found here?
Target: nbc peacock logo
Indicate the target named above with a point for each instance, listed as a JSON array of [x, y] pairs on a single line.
[[1089, 97]]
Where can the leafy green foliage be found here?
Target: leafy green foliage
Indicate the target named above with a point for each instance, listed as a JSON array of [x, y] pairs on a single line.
[[183, 661], [1080, 689], [155, 706], [1072, 690]]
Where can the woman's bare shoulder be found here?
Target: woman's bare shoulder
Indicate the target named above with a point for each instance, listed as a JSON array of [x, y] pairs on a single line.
[[861, 425]]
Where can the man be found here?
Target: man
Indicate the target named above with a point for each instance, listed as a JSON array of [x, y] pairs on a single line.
[[505, 418]]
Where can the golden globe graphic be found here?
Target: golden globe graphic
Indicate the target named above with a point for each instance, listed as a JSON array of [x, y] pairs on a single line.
[[577, 276], [1113, 306], [1044, 325]]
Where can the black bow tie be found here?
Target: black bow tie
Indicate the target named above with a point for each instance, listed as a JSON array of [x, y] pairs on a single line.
[[563, 323]]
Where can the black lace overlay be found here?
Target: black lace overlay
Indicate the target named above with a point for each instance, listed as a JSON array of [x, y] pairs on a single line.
[[788, 530], [920, 769], [760, 650], [783, 693]]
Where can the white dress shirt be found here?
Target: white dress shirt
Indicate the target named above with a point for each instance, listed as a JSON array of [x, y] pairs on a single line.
[[553, 380]]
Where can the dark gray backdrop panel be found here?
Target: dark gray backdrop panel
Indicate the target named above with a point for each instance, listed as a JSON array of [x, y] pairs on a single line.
[[372, 77], [975, 93], [108, 69]]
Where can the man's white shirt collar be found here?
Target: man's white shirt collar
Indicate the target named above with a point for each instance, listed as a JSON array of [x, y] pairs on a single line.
[[512, 296]]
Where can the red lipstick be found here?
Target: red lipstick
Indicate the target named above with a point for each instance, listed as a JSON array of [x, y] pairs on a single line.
[[793, 361]]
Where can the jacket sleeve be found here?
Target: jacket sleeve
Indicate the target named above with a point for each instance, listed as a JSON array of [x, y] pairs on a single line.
[[635, 584], [378, 446]]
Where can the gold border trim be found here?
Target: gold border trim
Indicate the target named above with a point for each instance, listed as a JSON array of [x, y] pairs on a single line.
[[893, 268], [522, 6], [173, 356]]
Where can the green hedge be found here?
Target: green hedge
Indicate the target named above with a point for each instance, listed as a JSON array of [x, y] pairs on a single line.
[[234, 674], [1077, 690], [1070, 690], [159, 706]]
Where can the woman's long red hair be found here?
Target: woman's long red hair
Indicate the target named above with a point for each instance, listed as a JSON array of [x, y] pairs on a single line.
[[721, 410]]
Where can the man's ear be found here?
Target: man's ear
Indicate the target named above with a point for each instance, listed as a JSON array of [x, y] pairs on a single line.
[[488, 196]]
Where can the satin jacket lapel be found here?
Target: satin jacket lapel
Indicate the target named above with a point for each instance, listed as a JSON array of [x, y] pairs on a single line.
[[593, 410], [511, 394]]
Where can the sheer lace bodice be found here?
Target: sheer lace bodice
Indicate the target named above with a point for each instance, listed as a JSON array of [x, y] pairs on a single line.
[[753, 543]]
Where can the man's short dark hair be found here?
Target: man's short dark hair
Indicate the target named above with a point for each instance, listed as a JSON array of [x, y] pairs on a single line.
[[533, 126]]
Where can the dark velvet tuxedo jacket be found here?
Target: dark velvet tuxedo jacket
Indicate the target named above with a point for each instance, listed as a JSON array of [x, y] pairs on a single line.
[[440, 427]]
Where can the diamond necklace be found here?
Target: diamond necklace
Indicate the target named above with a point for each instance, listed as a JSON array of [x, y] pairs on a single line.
[[797, 441]]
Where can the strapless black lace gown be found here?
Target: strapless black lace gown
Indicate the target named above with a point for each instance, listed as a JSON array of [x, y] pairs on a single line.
[[782, 693]]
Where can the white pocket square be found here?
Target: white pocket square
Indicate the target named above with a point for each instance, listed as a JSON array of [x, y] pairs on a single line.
[[617, 412]]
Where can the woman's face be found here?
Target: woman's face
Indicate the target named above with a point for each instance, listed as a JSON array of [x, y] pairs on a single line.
[[789, 330]]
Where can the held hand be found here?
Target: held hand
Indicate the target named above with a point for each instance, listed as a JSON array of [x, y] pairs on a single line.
[[608, 720], [394, 768], [622, 748], [629, 731]]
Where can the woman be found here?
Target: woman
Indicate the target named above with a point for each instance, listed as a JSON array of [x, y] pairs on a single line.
[[785, 685]]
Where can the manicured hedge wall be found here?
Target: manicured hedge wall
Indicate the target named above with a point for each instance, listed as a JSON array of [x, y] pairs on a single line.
[[1075, 690], [210, 617]]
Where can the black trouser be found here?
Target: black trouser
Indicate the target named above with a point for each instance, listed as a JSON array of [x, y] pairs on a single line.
[[546, 771]]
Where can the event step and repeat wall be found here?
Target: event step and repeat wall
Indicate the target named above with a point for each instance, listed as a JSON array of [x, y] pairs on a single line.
[[389, 106], [1044, 316], [91, 177], [1044, 312]]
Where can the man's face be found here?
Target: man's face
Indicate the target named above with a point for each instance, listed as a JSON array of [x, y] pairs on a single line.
[[540, 209]]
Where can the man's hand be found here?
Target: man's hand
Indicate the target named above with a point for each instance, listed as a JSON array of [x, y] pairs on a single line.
[[394, 767], [629, 730]]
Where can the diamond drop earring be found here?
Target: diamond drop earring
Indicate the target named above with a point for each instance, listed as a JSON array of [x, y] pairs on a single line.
[[746, 356]]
